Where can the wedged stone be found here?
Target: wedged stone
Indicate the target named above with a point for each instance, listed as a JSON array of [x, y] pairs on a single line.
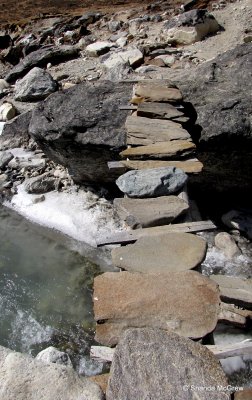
[[5, 158], [40, 184], [160, 150], [152, 182], [189, 27], [185, 302], [132, 56], [7, 111], [98, 48], [170, 252], [188, 166], [153, 364], [53, 355], [233, 290], [158, 110], [15, 132], [36, 85], [145, 131], [167, 59], [40, 58], [156, 92], [23, 378], [227, 245], [150, 212], [89, 134], [239, 220]]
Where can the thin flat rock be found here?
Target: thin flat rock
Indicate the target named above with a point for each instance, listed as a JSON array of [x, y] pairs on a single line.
[[170, 149], [187, 303], [188, 166], [157, 92], [235, 290], [170, 252], [150, 212], [145, 131], [158, 110]]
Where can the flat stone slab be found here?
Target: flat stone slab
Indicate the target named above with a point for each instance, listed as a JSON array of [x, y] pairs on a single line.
[[235, 290], [145, 131], [150, 212], [187, 303], [156, 92], [152, 182], [160, 150], [153, 364], [170, 252], [188, 166], [158, 110]]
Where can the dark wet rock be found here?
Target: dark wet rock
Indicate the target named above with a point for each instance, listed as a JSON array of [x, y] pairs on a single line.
[[152, 182], [36, 85], [15, 132], [40, 58], [83, 128], [5, 41], [5, 158], [154, 364]]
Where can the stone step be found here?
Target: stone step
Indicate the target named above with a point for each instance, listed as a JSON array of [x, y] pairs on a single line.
[[234, 290], [159, 110], [150, 212], [144, 131], [155, 92], [174, 148], [164, 253], [193, 166], [130, 236], [187, 303]]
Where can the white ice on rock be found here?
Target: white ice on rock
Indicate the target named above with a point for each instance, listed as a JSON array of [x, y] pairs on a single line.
[[81, 214]]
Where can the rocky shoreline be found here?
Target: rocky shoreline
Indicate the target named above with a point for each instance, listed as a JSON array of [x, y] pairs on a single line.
[[98, 106]]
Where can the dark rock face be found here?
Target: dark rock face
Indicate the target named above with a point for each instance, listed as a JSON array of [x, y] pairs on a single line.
[[220, 90], [154, 364], [83, 128], [15, 132], [40, 58], [189, 18]]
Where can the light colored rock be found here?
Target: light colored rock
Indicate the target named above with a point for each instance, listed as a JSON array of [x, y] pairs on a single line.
[[170, 252], [3, 85], [160, 150], [152, 182], [36, 85], [145, 131], [27, 162], [167, 59], [5, 158], [132, 55], [246, 394], [158, 110], [185, 302], [23, 378], [150, 212], [114, 26], [7, 111], [227, 244], [235, 290], [239, 220], [153, 364], [89, 367], [98, 48], [1, 127], [53, 355], [40, 184], [122, 41], [189, 27], [147, 91]]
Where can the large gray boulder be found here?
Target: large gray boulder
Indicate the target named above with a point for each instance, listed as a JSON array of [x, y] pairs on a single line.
[[83, 128], [36, 85], [152, 182], [23, 378], [154, 364], [40, 58]]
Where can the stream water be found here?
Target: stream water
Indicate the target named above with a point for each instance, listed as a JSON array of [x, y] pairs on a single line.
[[45, 288]]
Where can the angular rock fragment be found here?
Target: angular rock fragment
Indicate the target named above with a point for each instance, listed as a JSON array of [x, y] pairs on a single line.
[[7, 111], [152, 182], [150, 212], [15, 132], [185, 302], [156, 92], [158, 110], [164, 253], [189, 166], [153, 364], [98, 48], [5, 158], [235, 290], [36, 85], [174, 148], [40, 184]]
